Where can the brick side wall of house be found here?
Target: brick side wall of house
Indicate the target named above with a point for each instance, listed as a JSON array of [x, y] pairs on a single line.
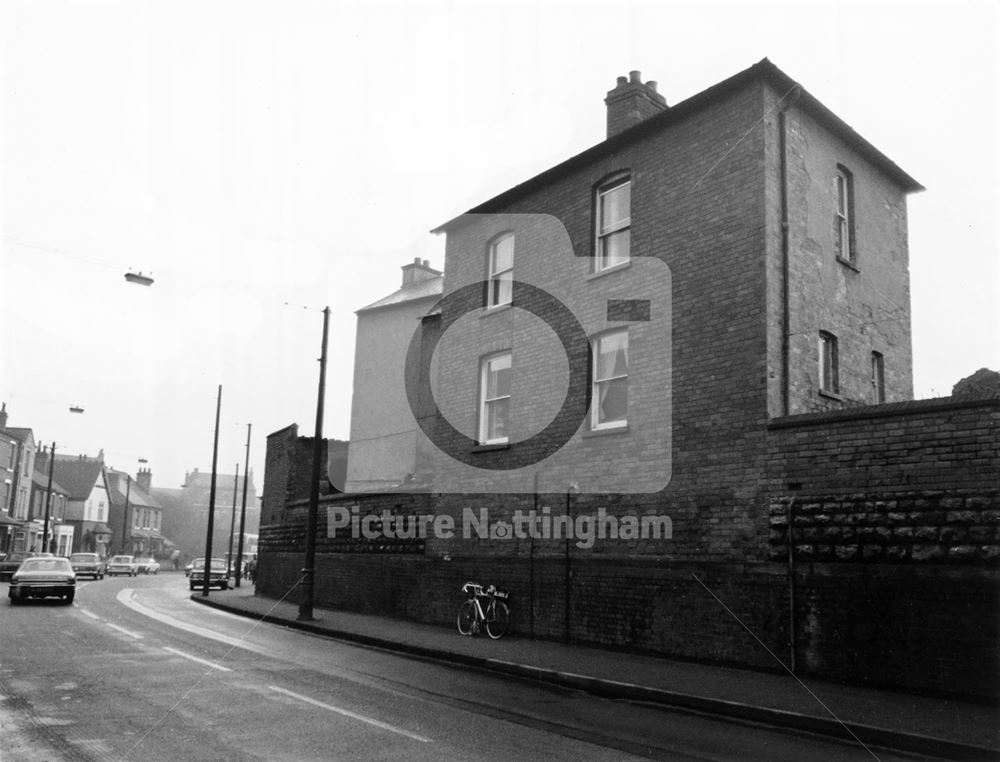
[[697, 200]]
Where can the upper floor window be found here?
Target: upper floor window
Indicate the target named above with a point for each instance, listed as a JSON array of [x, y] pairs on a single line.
[[501, 276], [878, 377], [609, 395], [828, 363], [494, 398], [844, 217], [614, 219]]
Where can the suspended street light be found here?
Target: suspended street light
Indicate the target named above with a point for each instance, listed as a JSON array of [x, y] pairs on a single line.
[[139, 278]]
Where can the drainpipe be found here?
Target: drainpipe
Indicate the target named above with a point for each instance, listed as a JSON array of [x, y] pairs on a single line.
[[789, 512], [785, 255], [531, 562]]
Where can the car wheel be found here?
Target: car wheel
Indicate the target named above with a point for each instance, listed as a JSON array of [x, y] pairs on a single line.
[[69, 598]]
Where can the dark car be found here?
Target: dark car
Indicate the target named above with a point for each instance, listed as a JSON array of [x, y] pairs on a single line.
[[87, 565], [218, 574], [43, 577], [12, 561]]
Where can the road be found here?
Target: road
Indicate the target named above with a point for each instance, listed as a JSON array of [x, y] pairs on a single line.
[[134, 670]]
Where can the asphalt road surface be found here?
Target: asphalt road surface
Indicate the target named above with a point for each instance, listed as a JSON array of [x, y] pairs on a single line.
[[134, 670]]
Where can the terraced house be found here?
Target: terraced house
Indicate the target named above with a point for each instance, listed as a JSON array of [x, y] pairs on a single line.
[[703, 319]]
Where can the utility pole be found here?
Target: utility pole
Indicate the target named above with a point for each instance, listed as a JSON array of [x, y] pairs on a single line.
[[243, 512], [125, 527], [232, 519], [309, 567], [211, 499], [48, 502]]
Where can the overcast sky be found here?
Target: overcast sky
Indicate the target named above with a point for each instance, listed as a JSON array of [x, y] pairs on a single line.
[[251, 154]]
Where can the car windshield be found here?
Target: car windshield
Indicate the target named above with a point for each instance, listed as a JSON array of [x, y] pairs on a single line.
[[83, 557], [46, 564], [121, 560], [217, 564]]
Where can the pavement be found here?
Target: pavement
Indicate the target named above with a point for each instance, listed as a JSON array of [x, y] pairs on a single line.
[[934, 726]]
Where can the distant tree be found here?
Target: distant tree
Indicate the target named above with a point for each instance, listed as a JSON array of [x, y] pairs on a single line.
[[983, 383]]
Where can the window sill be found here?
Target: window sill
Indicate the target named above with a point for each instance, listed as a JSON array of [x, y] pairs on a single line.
[[605, 432], [830, 395], [495, 309], [491, 447], [849, 264], [608, 270]]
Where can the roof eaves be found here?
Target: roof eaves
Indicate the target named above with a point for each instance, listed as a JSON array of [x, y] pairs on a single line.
[[763, 69]]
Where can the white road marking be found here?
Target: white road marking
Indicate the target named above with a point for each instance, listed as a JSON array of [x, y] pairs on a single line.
[[348, 713], [91, 614], [125, 597], [206, 662], [135, 635]]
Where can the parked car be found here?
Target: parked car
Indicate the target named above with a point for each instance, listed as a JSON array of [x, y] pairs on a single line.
[[147, 565], [87, 565], [218, 575], [10, 562], [122, 565], [43, 577]]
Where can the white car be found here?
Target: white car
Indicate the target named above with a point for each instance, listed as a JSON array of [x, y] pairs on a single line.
[[122, 565], [147, 565]]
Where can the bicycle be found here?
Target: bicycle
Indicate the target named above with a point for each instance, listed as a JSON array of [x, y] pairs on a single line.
[[495, 616]]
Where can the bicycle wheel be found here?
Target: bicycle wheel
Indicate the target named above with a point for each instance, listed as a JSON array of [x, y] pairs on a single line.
[[497, 619], [466, 617]]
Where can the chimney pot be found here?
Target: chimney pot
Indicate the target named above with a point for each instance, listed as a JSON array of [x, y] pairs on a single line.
[[651, 85], [635, 77], [622, 81]]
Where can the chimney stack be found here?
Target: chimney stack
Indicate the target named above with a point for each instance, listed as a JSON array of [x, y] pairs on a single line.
[[418, 271], [632, 102], [144, 479], [3, 416]]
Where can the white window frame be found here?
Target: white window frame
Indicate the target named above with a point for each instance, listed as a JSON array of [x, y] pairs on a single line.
[[604, 233], [499, 275], [842, 218], [596, 424], [485, 401], [829, 363]]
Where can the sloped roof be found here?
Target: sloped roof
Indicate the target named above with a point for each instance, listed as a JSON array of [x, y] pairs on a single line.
[[119, 487], [78, 475], [763, 70], [425, 289], [19, 433], [41, 478]]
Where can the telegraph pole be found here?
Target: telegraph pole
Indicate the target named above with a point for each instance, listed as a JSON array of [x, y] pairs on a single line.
[[128, 493], [211, 499], [243, 512], [48, 502], [232, 518], [309, 567]]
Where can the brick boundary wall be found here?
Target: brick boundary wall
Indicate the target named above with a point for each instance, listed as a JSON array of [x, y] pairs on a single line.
[[886, 590]]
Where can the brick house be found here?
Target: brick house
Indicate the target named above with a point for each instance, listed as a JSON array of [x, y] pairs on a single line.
[[383, 452], [734, 354]]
